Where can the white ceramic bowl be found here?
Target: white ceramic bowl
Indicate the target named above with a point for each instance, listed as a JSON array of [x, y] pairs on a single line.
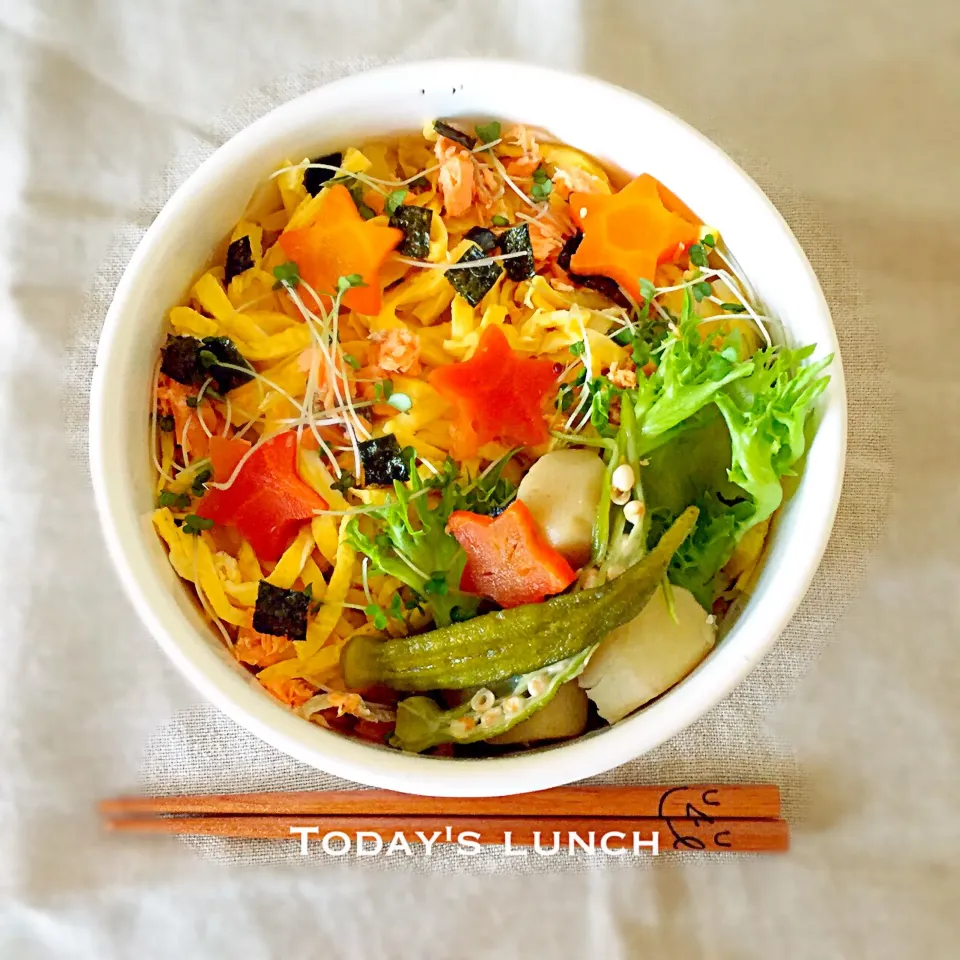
[[611, 123]]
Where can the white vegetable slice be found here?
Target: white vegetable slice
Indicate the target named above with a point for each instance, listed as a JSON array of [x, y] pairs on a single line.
[[562, 492], [647, 656]]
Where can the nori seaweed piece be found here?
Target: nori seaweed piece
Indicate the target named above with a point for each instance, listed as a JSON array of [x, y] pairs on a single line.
[[184, 361], [383, 461], [225, 350], [472, 283], [485, 239], [515, 239], [315, 177], [452, 133], [415, 223], [605, 285], [281, 613], [181, 360], [570, 247], [239, 258]]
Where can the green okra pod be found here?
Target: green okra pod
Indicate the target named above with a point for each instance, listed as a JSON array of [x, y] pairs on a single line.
[[421, 723], [498, 645]]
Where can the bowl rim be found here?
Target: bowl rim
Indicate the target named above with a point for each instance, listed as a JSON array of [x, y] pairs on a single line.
[[346, 757]]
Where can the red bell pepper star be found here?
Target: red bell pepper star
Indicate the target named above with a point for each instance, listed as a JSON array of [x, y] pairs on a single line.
[[498, 395], [267, 502]]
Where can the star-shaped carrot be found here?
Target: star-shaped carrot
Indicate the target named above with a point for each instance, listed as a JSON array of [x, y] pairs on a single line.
[[508, 558], [498, 395], [340, 244], [626, 234]]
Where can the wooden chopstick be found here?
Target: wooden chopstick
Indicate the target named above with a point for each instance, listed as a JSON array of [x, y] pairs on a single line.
[[602, 834], [712, 800], [707, 817]]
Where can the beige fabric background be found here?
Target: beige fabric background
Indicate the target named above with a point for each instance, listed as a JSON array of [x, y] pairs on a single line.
[[847, 114]]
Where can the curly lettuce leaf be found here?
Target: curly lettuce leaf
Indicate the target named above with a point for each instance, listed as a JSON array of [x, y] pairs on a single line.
[[731, 468], [720, 527], [693, 469], [692, 464], [690, 374], [766, 413]]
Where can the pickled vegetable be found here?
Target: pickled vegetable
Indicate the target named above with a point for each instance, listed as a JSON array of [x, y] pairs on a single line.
[[563, 717], [421, 723], [497, 645]]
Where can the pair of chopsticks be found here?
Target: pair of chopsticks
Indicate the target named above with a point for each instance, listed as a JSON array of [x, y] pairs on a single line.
[[742, 818]]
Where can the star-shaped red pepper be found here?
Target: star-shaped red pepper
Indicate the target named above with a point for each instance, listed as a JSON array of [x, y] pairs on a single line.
[[267, 502], [626, 234], [498, 394], [342, 243]]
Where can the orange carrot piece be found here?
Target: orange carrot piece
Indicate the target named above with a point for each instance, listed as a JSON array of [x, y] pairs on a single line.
[[626, 234], [341, 244], [508, 558]]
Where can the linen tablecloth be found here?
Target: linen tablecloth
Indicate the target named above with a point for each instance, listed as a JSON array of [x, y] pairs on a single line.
[[846, 115]]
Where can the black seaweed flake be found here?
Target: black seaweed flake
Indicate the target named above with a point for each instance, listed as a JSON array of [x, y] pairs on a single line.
[[239, 258], [415, 223], [605, 285], [485, 239], [315, 177], [383, 461], [452, 133], [570, 247], [188, 361], [181, 360], [473, 283], [281, 613], [514, 240], [226, 351]]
